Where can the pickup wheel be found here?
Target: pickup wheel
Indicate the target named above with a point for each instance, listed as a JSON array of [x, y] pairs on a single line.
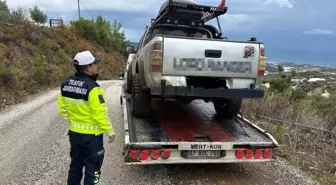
[[129, 81], [227, 107], [141, 100]]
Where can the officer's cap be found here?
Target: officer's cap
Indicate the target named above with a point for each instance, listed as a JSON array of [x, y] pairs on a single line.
[[85, 58]]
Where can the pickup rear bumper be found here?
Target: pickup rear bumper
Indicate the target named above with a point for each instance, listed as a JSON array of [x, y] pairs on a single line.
[[208, 93]]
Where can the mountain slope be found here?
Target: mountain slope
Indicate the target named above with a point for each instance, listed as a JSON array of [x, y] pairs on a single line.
[[134, 44], [36, 58]]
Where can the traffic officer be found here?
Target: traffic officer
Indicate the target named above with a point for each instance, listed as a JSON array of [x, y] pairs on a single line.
[[81, 102]]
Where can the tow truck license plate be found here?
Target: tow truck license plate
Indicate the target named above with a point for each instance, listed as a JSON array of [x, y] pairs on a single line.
[[204, 154]]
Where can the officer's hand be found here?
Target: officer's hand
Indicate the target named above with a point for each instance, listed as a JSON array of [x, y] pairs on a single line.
[[112, 138]]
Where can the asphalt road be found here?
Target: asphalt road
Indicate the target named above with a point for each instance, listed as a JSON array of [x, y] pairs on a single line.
[[34, 150]]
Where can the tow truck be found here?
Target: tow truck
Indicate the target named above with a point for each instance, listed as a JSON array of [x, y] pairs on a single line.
[[194, 132]]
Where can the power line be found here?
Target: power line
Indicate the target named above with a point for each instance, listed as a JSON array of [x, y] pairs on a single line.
[[298, 125]]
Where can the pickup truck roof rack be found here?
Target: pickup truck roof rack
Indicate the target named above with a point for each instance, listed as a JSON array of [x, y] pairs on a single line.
[[178, 12]]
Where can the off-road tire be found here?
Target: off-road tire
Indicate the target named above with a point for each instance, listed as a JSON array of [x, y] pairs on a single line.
[[227, 107], [129, 80], [141, 105]]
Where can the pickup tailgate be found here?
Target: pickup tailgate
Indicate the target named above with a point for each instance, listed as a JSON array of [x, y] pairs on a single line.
[[211, 58]]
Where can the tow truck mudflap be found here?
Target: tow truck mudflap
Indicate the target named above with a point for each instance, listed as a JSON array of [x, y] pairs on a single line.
[[201, 92]]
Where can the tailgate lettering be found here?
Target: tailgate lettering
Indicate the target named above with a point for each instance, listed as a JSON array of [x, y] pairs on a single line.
[[206, 146], [201, 64]]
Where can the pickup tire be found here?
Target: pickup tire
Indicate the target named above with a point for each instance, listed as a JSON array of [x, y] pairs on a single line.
[[141, 105], [129, 80], [227, 107]]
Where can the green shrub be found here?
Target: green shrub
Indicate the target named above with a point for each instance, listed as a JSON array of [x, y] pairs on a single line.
[[6, 75], [67, 49], [298, 94], [51, 44], [38, 15], [18, 15], [61, 57], [38, 70], [102, 32], [38, 74], [14, 32], [326, 107], [280, 84], [20, 77], [280, 68], [39, 60], [4, 11]]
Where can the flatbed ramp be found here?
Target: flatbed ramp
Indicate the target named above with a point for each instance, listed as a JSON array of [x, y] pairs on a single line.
[[191, 127]]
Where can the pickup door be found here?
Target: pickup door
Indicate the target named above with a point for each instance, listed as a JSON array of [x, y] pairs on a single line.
[[211, 58]]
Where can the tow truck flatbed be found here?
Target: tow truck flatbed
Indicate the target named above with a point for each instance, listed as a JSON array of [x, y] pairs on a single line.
[[192, 133]]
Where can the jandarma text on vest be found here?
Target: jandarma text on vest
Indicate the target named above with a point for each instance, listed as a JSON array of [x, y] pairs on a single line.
[[77, 90]]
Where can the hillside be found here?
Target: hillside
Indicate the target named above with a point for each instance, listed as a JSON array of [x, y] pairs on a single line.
[[35, 58], [134, 44], [288, 66], [311, 78], [299, 110]]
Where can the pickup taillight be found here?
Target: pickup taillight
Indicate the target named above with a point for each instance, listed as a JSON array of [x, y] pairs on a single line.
[[262, 62], [155, 59]]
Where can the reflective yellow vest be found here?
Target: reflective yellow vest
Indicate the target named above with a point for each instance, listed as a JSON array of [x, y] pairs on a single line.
[[81, 102]]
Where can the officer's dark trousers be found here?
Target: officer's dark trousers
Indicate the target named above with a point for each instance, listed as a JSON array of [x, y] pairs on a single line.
[[86, 150]]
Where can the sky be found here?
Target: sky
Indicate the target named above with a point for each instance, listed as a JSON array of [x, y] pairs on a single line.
[[300, 31]]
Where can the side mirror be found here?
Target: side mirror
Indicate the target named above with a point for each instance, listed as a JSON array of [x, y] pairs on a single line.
[[130, 49], [121, 75]]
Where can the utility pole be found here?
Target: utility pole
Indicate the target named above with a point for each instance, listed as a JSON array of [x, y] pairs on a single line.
[[79, 18], [78, 9]]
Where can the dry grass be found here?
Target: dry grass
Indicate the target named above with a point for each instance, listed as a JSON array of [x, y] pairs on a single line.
[[280, 107], [313, 150], [34, 59]]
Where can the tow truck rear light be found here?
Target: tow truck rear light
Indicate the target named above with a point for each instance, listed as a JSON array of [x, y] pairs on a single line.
[[156, 57], [257, 154], [133, 154], [262, 62], [254, 154], [248, 154], [155, 154], [165, 154], [267, 153], [240, 154], [144, 155]]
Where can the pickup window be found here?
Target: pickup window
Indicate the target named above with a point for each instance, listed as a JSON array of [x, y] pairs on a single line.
[[183, 32], [177, 31]]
